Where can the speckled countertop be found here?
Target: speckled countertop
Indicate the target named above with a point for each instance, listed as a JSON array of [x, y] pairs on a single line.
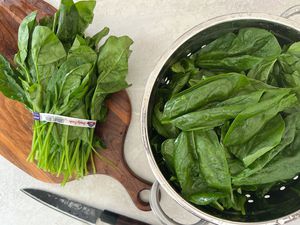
[[153, 25]]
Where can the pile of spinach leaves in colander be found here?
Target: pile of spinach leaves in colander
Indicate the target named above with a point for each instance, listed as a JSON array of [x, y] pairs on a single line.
[[227, 120], [59, 70]]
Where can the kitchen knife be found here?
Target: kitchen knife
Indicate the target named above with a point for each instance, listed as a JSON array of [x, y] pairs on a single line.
[[79, 211]]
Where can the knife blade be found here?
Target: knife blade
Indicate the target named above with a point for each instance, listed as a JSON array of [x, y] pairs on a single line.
[[77, 210]]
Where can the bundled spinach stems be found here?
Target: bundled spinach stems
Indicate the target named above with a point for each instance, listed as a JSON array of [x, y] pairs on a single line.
[[227, 121], [61, 71]]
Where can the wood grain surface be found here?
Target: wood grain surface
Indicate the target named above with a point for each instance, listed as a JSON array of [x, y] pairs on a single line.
[[16, 122]]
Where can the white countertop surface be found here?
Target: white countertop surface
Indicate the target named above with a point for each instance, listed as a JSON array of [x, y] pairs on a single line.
[[153, 25]]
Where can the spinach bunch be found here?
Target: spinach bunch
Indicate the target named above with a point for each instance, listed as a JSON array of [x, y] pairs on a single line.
[[60, 70], [227, 120]]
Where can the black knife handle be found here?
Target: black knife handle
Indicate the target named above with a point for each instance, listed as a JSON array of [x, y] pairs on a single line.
[[117, 219]]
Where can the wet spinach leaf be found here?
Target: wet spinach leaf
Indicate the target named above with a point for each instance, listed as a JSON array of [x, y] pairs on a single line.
[[187, 168], [218, 115], [167, 151], [267, 139], [216, 88], [279, 169], [235, 103], [250, 121], [239, 52]]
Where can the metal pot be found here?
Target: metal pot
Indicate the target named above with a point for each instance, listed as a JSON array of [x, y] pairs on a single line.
[[284, 208]]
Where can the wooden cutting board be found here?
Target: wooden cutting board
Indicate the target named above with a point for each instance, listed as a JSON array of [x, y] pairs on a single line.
[[16, 122]]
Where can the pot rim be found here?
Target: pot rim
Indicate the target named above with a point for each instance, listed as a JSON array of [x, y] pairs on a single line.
[[145, 104]]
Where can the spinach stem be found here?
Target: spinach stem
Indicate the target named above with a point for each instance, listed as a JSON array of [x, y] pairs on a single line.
[[66, 148], [61, 163], [75, 154], [31, 156], [82, 163], [45, 149], [93, 163], [103, 158], [26, 73]]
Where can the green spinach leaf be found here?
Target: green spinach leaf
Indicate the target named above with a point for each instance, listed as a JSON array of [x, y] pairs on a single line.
[[289, 63], [166, 130], [24, 36], [9, 84], [192, 182], [267, 139], [212, 160], [239, 52], [112, 67], [167, 151], [216, 116], [250, 121], [73, 19], [262, 70], [260, 163], [214, 88]]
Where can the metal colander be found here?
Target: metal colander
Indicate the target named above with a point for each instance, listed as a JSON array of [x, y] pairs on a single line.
[[283, 204]]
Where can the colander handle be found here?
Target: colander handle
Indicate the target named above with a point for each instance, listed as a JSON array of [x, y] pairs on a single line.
[[158, 211], [294, 10]]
